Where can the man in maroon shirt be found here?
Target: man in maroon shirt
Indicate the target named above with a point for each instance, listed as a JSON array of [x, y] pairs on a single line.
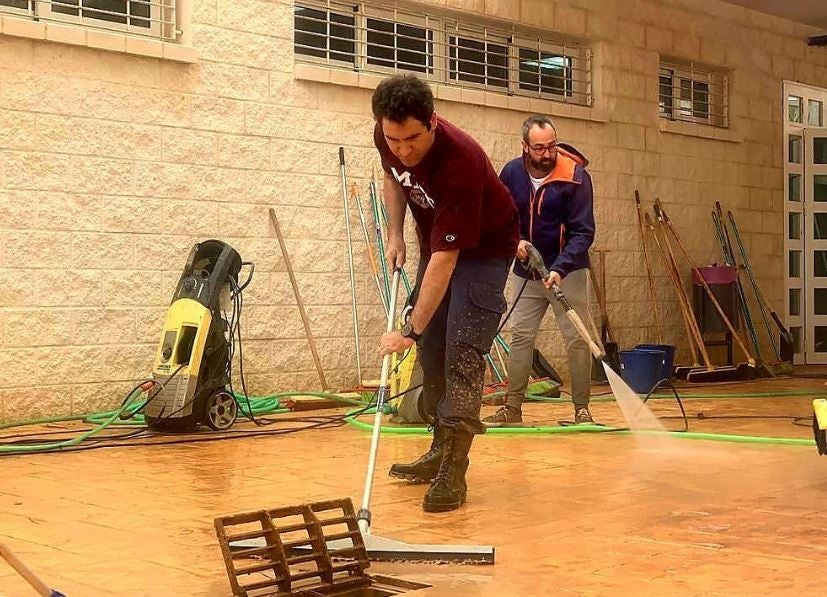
[[468, 228]]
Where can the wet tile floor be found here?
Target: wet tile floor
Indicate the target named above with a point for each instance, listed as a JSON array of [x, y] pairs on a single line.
[[569, 514]]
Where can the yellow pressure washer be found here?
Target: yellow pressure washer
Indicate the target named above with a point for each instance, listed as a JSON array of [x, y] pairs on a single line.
[[193, 361], [820, 424]]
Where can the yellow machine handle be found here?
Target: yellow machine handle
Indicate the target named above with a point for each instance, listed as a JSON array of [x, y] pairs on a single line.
[[820, 424], [820, 410]]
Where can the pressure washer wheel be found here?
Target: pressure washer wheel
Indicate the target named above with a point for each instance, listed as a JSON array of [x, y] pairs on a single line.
[[222, 411]]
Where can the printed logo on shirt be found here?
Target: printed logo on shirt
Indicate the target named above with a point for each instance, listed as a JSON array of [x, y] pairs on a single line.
[[416, 193], [420, 197], [403, 179], [450, 238]]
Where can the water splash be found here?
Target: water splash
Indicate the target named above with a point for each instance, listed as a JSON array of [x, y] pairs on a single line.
[[637, 414]]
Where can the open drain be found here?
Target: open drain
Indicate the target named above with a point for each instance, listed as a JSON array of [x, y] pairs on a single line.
[[295, 559]]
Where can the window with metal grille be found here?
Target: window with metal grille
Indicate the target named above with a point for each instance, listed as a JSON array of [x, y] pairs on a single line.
[[135, 13], [372, 38], [154, 18], [15, 5], [544, 72], [399, 46], [692, 94], [478, 58], [325, 33]]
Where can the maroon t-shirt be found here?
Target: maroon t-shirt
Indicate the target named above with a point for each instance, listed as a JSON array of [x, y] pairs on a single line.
[[455, 196]]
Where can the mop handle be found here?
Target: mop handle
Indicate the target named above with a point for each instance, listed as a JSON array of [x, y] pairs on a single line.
[[363, 516]]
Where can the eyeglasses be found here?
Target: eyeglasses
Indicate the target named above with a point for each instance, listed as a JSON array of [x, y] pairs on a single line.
[[541, 149]]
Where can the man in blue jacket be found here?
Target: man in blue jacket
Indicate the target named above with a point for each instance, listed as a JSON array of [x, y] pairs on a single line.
[[553, 193]]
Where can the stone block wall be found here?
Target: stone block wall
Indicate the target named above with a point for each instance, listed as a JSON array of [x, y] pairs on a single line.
[[113, 165]]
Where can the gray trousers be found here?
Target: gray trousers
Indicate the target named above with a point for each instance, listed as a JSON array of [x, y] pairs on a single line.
[[525, 322]]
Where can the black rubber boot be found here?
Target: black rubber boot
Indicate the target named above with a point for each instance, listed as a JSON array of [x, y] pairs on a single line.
[[424, 468], [449, 489]]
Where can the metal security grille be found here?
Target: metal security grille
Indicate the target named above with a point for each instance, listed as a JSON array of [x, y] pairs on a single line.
[[371, 38], [152, 18], [692, 94]]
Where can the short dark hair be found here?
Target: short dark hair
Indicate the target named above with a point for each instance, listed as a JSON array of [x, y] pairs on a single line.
[[538, 120], [399, 97]]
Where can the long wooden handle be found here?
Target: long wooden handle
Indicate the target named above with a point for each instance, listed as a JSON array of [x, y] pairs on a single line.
[[275, 221], [688, 319], [610, 336], [600, 295], [584, 334], [709, 293], [354, 197], [38, 585], [652, 294]]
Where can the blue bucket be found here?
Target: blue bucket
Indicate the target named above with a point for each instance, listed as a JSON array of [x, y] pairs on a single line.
[[641, 368], [668, 358]]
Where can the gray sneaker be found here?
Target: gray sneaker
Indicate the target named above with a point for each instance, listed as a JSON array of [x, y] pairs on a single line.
[[582, 416], [505, 417]]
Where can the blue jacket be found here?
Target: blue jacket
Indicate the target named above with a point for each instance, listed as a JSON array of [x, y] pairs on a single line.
[[559, 218]]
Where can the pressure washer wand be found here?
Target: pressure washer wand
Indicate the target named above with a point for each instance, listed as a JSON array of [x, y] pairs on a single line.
[[535, 263]]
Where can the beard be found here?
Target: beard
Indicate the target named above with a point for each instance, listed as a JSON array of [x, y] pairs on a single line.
[[544, 164]]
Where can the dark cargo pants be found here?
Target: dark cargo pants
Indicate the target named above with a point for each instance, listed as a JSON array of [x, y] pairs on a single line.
[[453, 346]]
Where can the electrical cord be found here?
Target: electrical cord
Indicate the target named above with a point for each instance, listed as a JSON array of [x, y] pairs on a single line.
[[238, 305], [318, 422], [514, 304], [313, 419], [124, 409], [162, 387], [71, 443], [237, 336], [38, 437]]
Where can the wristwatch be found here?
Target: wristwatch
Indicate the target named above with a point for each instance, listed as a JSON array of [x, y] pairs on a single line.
[[408, 332]]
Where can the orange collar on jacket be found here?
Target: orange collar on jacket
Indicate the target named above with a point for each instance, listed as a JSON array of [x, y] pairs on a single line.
[[563, 168], [563, 172]]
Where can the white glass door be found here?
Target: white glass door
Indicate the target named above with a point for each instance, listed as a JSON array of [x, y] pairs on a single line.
[[815, 243], [805, 221]]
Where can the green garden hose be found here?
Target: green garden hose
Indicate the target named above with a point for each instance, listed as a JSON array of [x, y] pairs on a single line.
[[271, 404], [69, 443], [555, 430]]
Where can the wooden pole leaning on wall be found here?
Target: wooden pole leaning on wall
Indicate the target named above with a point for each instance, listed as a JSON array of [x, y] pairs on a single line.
[[275, 221], [661, 214], [693, 334], [649, 277]]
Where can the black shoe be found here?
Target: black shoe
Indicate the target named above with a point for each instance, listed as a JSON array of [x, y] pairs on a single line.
[[424, 468], [582, 416], [449, 489], [504, 417]]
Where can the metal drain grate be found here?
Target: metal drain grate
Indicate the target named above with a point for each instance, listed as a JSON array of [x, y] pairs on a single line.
[[294, 558]]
